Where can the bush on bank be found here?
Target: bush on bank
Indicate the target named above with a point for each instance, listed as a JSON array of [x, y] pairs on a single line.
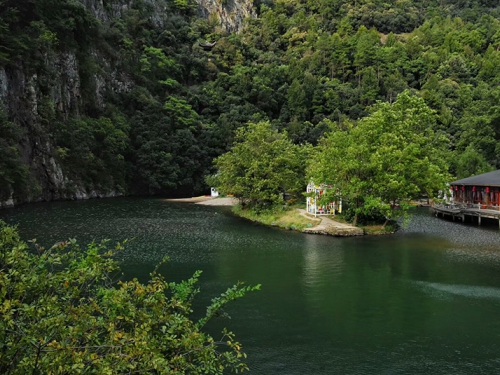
[[63, 311]]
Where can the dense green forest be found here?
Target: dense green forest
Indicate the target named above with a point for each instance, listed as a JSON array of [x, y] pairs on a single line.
[[300, 65]]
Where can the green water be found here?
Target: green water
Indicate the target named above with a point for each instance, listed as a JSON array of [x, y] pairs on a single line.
[[423, 301]]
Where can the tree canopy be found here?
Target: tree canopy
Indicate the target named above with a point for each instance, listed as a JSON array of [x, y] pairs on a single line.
[[261, 167], [386, 159]]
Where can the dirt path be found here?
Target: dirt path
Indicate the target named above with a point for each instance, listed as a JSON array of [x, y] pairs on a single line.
[[206, 200], [331, 227], [220, 202]]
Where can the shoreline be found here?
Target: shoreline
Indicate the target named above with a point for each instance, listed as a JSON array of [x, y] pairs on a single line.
[[206, 201], [331, 227], [324, 225], [298, 220]]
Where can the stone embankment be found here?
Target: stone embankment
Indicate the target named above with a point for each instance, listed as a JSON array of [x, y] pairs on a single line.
[[332, 228]]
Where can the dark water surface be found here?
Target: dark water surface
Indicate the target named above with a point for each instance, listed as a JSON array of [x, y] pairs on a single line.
[[423, 301]]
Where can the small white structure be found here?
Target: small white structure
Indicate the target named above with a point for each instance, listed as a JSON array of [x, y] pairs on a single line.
[[314, 207], [214, 193]]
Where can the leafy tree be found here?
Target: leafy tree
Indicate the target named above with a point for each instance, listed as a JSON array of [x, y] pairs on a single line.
[[167, 154], [261, 166], [64, 312], [470, 163], [387, 158], [296, 100], [93, 150]]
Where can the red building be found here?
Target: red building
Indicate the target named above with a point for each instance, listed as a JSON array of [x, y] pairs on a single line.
[[482, 191]]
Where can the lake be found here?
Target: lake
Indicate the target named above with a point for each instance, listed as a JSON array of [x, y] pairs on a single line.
[[425, 300]]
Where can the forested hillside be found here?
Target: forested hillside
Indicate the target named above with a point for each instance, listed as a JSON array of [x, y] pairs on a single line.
[[118, 97]]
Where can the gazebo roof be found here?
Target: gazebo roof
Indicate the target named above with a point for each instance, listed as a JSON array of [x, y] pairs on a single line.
[[485, 179]]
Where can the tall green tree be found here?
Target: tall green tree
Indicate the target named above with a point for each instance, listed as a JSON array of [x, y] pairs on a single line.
[[470, 163], [262, 165], [388, 158]]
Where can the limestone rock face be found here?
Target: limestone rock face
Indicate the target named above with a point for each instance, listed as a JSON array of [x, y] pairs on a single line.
[[25, 92], [107, 11], [22, 92], [58, 84], [230, 13]]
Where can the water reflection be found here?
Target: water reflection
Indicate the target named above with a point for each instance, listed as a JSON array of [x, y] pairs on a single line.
[[439, 290]]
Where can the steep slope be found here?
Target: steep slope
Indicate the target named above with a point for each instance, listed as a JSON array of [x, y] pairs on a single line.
[[67, 68]]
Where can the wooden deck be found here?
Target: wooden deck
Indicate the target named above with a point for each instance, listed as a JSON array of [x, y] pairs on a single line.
[[464, 211]]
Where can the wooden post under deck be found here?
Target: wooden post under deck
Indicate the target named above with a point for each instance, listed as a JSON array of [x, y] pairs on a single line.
[[461, 213]]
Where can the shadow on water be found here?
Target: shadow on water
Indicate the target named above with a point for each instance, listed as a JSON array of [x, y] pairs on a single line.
[[422, 301]]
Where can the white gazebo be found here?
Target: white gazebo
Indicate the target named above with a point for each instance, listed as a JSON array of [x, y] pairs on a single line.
[[313, 205]]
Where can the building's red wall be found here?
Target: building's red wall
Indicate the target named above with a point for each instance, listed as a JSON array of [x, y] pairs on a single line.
[[478, 196]]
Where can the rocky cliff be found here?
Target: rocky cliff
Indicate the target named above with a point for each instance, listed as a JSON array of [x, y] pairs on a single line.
[[230, 13], [60, 82]]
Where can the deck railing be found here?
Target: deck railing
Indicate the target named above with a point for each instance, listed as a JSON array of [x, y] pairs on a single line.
[[475, 206]]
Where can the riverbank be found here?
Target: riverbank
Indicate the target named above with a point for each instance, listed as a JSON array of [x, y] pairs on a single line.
[[297, 219], [289, 219], [371, 229], [332, 227], [293, 219]]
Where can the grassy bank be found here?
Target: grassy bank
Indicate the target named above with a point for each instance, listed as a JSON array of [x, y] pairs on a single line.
[[287, 219], [292, 219]]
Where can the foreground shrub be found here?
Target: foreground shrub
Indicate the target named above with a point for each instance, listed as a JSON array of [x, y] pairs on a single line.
[[62, 311]]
